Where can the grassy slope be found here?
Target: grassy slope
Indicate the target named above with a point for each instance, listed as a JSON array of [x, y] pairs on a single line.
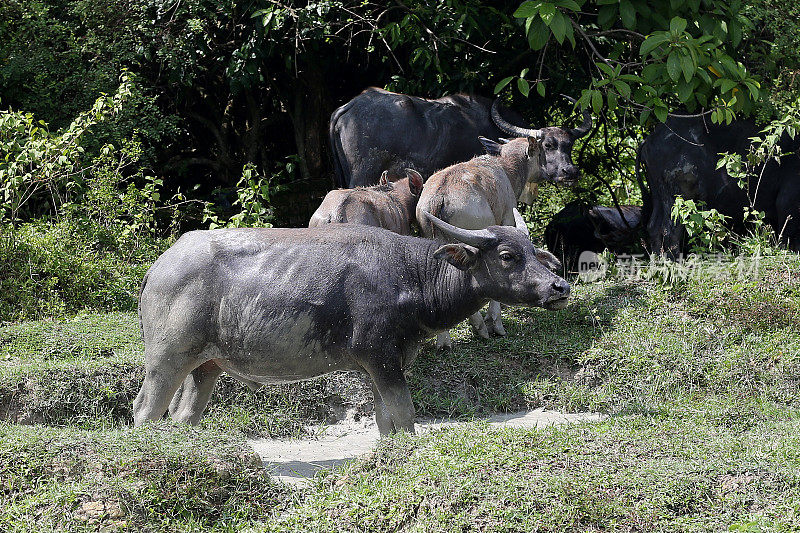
[[159, 477], [630, 473], [701, 380]]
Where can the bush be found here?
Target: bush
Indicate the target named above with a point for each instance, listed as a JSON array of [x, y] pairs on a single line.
[[55, 268]]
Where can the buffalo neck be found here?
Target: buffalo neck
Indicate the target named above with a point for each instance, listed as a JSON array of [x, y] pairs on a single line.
[[449, 295], [514, 167], [403, 202]]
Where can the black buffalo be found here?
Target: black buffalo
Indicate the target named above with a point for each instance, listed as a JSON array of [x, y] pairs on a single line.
[[282, 305], [681, 156], [579, 227], [380, 130]]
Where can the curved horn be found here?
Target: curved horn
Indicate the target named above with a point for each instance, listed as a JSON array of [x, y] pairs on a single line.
[[510, 128], [477, 238], [586, 126]]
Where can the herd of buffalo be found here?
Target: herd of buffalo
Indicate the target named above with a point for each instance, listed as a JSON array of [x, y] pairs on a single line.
[[356, 291]]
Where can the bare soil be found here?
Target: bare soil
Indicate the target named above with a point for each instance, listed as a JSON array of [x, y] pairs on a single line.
[[295, 461]]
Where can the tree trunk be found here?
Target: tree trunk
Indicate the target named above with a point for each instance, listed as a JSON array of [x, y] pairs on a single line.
[[310, 112]]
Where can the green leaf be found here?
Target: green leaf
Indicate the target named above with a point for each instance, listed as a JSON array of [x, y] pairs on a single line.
[[726, 85], [559, 25], [547, 12], [597, 101], [605, 68], [540, 88], [583, 101], [753, 88], [735, 32], [651, 43], [623, 88], [502, 84], [607, 16], [674, 65], [527, 9], [627, 13], [661, 113], [677, 25], [612, 101], [523, 87], [572, 5], [684, 91], [687, 65], [538, 34], [570, 33]]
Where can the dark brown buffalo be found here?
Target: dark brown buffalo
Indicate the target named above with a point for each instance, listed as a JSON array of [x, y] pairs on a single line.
[[389, 205]]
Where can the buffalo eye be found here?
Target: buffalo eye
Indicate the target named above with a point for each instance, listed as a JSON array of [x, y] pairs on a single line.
[[507, 256], [549, 145]]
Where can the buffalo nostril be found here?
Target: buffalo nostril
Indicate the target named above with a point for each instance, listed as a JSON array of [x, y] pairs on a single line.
[[561, 287]]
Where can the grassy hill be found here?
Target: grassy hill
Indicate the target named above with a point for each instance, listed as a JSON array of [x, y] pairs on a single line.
[[699, 379]]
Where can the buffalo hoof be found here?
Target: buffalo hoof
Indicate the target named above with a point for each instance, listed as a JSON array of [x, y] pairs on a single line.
[[498, 329], [482, 331]]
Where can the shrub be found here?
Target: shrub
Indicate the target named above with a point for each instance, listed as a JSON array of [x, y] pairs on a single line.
[[53, 268]]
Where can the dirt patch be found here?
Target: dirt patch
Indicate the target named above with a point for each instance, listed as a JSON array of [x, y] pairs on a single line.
[[296, 460]]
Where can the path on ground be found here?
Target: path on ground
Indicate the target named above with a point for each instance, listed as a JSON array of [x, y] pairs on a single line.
[[296, 460]]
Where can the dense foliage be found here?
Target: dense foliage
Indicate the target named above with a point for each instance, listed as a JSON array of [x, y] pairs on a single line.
[[149, 117], [220, 83]]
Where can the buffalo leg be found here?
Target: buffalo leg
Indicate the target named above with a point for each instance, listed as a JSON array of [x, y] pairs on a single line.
[[161, 381], [391, 385], [382, 416], [479, 325], [443, 340], [191, 399], [494, 319]]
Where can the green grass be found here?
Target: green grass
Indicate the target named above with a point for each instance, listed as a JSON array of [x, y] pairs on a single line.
[[700, 380], [157, 477], [629, 473], [629, 347], [62, 267]]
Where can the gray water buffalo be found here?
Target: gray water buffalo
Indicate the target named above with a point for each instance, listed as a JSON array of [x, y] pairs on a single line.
[[579, 227], [390, 204], [282, 305], [681, 156], [480, 193], [380, 130]]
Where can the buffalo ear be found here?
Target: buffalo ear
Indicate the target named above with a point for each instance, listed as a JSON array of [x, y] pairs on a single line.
[[384, 178], [414, 181], [548, 259], [491, 147], [534, 147], [461, 256]]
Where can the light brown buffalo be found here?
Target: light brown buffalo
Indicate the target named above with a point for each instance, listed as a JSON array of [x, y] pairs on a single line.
[[483, 192], [389, 205]]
